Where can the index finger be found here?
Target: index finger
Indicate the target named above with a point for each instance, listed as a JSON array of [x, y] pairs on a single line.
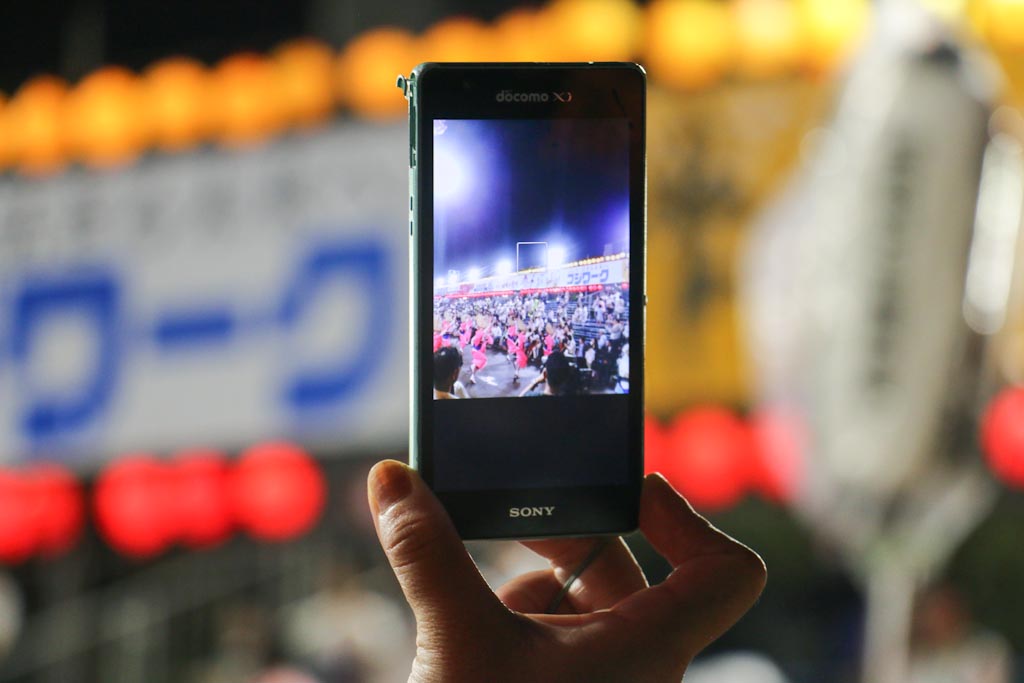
[[715, 579]]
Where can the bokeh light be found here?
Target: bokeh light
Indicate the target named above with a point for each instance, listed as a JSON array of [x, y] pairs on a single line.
[[690, 43], [832, 30], [460, 39], [706, 454], [134, 509], [594, 30], [1003, 23], [106, 120], [35, 123], [1002, 436], [780, 448], [200, 496], [59, 505], [768, 38], [364, 76], [18, 537], [6, 144], [248, 106], [523, 34], [305, 70], [277, 491], [179, 103]]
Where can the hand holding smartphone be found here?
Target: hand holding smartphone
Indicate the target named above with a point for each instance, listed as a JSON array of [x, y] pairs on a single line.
[[527, 231]]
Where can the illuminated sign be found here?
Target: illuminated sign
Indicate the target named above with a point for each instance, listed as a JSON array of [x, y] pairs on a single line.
[[209, 299]]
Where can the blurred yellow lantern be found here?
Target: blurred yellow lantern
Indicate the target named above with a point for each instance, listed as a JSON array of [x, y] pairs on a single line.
[[768, 39], [248, 105], [105, 118], [305, 73], [33, 122], [1004, 24], [460, 39], [832, 31], [178, 98], [365, 72], [690, 43], [521, 35], [595, 30], [6, 151]]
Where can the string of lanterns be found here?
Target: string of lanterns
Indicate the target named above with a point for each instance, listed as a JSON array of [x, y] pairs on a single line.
[[274, 492], [113, 115], [142, 506]]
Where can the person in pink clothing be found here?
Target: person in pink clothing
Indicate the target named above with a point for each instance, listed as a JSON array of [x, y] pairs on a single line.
[[549, 344], [465, 332], [516, 355], [481, 340]]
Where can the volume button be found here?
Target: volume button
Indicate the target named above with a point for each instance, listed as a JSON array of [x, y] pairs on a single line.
[[412, 133]]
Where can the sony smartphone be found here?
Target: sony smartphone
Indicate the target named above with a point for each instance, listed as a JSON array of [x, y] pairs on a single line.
[[527, 222]]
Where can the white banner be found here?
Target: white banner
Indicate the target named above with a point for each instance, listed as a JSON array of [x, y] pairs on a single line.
[[602, 271], [208, 299]]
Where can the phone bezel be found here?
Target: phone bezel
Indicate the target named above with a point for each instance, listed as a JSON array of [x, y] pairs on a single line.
[[467, 91]]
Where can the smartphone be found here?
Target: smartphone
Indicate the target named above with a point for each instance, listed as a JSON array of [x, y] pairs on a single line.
[[527, 225]]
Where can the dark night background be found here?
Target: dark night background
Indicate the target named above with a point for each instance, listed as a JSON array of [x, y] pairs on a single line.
[[561, 181], [70, 38]]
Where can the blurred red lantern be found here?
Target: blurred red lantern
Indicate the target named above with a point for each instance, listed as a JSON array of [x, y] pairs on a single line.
[[18, 532], [59, 506], [710, 453], [656, 453], [200, 498], [133, 505], [277, 491], [779, 446], [1002, 436]]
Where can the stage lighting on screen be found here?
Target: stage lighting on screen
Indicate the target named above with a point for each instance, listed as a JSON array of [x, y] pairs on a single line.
[[440, 282], [453, 277], [473, 274], [556, 256], [460, 165], [504, 267]]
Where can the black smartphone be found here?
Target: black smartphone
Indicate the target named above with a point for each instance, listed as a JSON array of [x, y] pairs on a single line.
[[527, 224]]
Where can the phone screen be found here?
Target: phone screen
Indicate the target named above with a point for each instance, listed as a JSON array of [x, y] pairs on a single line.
[[530, 334]]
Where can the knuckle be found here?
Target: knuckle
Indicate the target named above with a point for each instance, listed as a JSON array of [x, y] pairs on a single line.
[[409, 537]]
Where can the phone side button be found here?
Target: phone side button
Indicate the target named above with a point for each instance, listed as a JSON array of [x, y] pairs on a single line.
[[410, 228], [645, 296]]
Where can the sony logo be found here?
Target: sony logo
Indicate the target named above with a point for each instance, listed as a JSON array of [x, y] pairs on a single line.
[[511, 96], [546, 511]]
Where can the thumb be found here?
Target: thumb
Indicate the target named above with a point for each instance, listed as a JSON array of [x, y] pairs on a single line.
[[437, 575]]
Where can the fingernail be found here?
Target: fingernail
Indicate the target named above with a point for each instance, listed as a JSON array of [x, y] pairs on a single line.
[[389, 483]]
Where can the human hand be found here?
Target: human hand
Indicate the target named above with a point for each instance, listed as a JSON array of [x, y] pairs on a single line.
[[611, 626]]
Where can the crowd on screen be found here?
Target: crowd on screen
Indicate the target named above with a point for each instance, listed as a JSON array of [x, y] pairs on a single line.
[[590, 329]]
